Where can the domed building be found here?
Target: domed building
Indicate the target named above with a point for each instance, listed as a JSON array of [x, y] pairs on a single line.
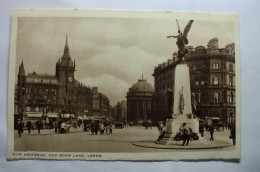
[[139, 101]]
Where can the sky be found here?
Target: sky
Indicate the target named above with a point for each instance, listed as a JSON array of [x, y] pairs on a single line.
[[110, 53]]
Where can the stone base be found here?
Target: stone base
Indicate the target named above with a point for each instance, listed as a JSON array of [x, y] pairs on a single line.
[[173, 125]]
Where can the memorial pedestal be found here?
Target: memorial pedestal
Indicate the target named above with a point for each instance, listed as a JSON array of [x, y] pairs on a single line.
[[182, 108]]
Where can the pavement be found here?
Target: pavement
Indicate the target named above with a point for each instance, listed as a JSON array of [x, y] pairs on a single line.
[[204, 144], [128, 139]]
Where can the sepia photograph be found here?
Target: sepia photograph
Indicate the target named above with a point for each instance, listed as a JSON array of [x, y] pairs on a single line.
[[123, 85]]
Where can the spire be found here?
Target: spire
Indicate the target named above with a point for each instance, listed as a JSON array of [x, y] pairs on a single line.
[[66, 49], [21, 70], [74, 64]]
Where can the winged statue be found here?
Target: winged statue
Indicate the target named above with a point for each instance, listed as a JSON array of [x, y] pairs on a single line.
[[182, 39]]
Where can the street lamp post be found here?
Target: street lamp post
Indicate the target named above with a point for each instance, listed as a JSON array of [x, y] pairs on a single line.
[[23, 106]]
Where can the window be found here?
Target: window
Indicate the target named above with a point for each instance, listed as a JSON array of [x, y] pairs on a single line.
[[216, 97], [194, 67], [29, 100], [197, 82], [215, 65], [231, 67], [231, 98], [215, 80], [225, 79], [28, 108], [198, 97], [225, 96], [231, 81], [37, 109], [202, 81]]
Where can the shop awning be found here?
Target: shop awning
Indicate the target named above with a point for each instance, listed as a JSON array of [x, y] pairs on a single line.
[[67, 115], [34, 114], [52, 115]]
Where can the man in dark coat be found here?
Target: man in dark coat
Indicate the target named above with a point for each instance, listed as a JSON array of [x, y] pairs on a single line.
[[233, 132], [185, 132], [20, 127], [29, 126], [201, 129], [39, 126], [211, 131]]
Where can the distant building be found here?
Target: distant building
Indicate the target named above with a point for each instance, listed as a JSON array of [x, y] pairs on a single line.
[[122, 110], [50, 95], [100, 104], [139, 101], [212, 78]]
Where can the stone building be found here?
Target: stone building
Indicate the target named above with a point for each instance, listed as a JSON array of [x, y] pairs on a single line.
[[51, 95], [212, 79], [121, 110], [100, 104], [139, 101]]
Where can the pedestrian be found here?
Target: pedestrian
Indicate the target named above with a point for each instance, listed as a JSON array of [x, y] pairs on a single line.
[[106, 128], [62, 128], [201, 129], [161, 136], [96, 127], [56, 125], [92, 127], [211, 131], [233, 132], [160, 127], [29, 126], [185, 134], [110, 128], [39, 126], [101, 127], [20, 127]]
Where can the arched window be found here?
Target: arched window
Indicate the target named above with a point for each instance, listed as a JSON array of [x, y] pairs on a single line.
[[216, 97], [215, 80]]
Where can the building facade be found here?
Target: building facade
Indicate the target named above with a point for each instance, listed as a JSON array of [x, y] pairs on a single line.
[[48, 95], [139, 101], [212, 79], [100, 103], [121, 110]]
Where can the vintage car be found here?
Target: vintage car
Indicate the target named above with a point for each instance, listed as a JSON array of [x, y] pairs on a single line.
[[119, 124]]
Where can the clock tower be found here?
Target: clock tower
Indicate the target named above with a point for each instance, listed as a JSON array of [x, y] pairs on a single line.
[[65, 69]]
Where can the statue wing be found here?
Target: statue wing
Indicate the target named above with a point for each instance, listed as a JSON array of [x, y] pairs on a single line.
[[187, 29]]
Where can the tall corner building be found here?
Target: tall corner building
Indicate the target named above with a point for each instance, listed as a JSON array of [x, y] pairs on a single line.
[[52, 95], [212, 79]]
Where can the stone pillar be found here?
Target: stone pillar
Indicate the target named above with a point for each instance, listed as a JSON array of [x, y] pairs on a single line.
[[182, 111]]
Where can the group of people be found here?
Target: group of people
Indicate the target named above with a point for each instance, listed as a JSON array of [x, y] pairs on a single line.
[[185, 133], [101, 127], [29, 125]]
